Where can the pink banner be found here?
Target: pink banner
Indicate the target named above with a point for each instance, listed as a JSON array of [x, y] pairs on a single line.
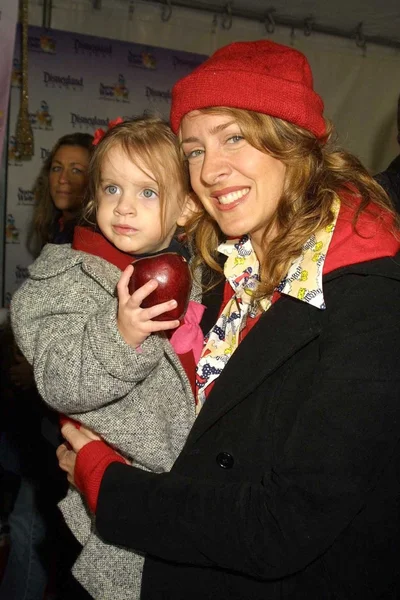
[[8, 23]]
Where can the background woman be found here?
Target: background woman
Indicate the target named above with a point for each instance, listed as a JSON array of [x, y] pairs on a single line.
[[288, 484], [59, 191], [42, 549]]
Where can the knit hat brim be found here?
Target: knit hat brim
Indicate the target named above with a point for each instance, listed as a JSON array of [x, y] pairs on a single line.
[[268, 91]]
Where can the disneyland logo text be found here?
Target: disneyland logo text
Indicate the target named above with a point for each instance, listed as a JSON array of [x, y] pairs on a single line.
[[25, 196], [34, 43], [88, 121], [106, 90], [182, 62], [162, 94], [96, 49], [44, 153], [61, 81], [117, 92]]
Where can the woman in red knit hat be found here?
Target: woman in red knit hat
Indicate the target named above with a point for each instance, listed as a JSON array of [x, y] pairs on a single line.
[[288, 485]]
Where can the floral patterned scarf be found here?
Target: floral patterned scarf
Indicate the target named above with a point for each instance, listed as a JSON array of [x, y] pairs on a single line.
[[303, 281]]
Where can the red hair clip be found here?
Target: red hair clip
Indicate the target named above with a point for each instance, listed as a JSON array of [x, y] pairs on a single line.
[[100, 133]]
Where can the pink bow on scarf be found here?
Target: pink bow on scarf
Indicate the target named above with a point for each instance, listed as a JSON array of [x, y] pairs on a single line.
[[189, 335]]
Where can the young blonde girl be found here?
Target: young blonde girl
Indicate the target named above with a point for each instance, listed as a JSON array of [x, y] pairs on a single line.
[[91, 347]]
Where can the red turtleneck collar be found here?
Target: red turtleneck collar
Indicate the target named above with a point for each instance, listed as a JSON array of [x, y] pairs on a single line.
[[95, 243]]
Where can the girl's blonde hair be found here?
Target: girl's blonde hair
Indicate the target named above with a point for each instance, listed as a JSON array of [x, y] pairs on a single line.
[[316, 174], [45, 213], [151, 141]]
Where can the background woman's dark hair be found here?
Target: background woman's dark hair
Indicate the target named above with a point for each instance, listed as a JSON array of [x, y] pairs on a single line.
[[45, 213]]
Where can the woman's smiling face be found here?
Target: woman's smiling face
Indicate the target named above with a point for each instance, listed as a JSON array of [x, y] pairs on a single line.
[[238, 185]]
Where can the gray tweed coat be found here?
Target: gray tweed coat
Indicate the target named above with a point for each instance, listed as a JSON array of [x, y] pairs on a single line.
[[64, 321]]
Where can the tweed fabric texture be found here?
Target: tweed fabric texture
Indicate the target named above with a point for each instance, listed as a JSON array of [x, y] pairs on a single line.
[[261, 76], [64, 320]]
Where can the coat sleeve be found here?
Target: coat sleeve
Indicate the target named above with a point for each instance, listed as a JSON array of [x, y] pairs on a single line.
[[342, 439], [66, 326]]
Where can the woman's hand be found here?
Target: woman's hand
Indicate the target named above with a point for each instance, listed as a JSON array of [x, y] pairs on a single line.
[[76, 439], [92, 462], [135, 323]]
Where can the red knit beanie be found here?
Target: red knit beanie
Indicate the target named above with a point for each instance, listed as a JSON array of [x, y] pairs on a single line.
[[261, 76]]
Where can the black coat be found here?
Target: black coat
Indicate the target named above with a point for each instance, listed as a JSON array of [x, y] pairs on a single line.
[[390, 181], [289, 483]]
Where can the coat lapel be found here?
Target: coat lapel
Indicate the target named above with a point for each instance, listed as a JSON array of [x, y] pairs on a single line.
[[285, 328], [106, 274]]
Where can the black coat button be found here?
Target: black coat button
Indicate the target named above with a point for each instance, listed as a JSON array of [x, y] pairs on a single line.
[[225, 460]]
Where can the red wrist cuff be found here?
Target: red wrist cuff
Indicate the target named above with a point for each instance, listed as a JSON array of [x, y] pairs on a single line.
[[63, 419], [91, 463]]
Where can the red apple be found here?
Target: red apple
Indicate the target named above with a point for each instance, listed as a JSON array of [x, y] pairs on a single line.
[[172, 272]]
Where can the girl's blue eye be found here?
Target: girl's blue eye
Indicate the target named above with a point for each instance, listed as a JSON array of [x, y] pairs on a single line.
[[112, 190], [55, 168], [148, 193], [77, 171]]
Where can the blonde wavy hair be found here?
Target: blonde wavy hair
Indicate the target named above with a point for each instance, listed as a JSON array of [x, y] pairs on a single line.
[[151, 141], [316, 174]]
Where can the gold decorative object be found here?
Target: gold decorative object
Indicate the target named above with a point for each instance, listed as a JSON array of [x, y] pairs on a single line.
[[24, 133]]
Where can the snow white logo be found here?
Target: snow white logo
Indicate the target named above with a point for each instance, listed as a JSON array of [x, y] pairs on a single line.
[[117, 92], [14, 156], [42, 43], [142, 60], [43, 119], [12, 233], [16, 75]]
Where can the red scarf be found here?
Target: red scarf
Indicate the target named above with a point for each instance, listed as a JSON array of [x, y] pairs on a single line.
[[371, 238], [92, 242]]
